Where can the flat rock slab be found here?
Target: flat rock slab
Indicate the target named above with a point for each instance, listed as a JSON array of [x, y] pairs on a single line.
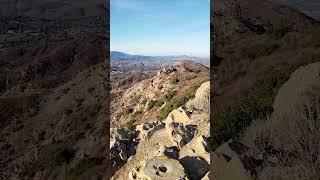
[[159, 168]]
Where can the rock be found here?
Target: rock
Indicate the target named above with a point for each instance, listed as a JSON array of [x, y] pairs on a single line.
[[112, 142], [201, 101], [146, 130], [122, 144], [233, 157], [302, 88], [197, 147], [171, 152], [123, 151], [167, 70], [195, 166], [223, 165], [178, 116], [202, 144], [119, 134], [206, 177], [180, 134], [158, 168]]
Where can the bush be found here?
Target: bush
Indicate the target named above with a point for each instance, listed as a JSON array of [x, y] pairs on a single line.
[[193, 76], [265, 49], [291, 140], [197, 71], [127, 111], [170, 95], [174, 79], [151, 104], [60, 156], [254, 103], [179, 101], [144, 101], [165, 111], [159, 103], [136, 114], [130, 123]]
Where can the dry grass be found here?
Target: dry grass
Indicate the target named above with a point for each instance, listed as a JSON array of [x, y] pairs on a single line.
[[290, 144]]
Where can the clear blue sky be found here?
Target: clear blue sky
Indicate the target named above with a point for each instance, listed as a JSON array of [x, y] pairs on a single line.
[[160, 27]]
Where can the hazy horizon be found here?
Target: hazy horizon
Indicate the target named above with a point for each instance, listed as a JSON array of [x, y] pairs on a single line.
[[161, 55], [153, 28]]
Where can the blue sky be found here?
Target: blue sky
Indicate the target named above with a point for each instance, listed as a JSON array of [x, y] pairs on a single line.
[[160, 27]]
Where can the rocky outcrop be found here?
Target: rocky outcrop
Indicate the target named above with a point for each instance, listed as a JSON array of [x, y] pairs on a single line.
[[179, 146], [234, 157], [146, 130], [179, 115], [122, 144]]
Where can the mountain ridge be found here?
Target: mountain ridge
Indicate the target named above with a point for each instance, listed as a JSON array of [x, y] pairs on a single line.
[[118, 55]]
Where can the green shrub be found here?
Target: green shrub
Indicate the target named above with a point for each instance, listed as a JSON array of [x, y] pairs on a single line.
[[136, 114], [170, 95], [130, 123], [127, 111], [165, 111], [193, 76], [144, 101], [151, 104], [174, 79], [265, 49], [60, 156], [254, 103], [179, 101], [82, 166], [159, 103], [197, 71]]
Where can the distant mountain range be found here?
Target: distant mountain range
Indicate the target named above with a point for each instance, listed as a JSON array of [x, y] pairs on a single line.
[[121, 56]]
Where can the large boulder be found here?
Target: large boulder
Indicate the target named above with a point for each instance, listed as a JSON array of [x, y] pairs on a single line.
[[178, 116], [201, 101], [301, 88], [181, 134]]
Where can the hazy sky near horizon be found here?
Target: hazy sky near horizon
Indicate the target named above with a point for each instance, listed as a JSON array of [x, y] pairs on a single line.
[[166, 27]]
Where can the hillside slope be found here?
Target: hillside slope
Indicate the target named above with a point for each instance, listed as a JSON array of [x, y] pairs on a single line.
[[250, 36], [151, 99], [257, 47], [175, 148], [53, 108]]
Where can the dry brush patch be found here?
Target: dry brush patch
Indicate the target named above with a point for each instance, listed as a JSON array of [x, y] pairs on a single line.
[[289, 143]]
